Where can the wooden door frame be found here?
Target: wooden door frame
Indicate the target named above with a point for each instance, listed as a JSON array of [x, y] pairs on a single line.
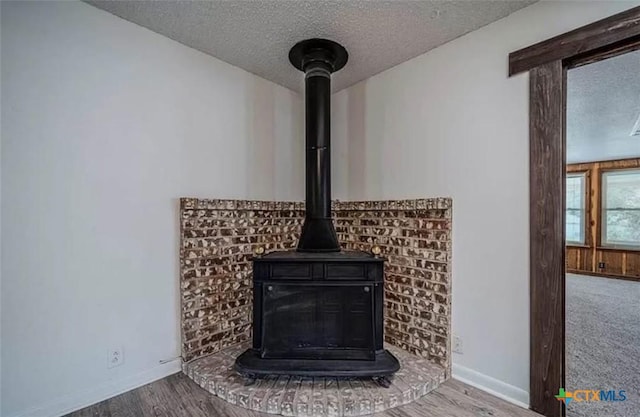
[[547, 63]]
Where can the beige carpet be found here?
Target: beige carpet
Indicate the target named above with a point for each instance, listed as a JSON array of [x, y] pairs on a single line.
[[603, 343]]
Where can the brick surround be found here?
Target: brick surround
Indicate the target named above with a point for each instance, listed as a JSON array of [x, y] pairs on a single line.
[[217, 242], [415, 236]]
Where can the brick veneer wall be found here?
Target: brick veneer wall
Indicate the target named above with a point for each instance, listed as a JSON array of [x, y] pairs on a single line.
[[415, 236], [219, 236], [217, 241]]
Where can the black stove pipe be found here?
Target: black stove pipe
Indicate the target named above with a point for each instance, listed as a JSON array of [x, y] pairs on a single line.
[[318, 58]]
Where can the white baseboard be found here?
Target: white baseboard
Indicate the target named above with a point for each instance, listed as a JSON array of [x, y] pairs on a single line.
[[92, 396], [102, 392], [491, 385]]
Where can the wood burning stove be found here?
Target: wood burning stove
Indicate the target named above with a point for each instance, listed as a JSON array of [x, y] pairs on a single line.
[[318, 314], [318, 311]]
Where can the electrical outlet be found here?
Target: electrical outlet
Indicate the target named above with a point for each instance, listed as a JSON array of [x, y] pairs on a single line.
[[601, 265], [457, 344], [115, 357]]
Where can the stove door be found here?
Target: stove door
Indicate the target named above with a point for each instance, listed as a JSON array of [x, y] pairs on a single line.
[[318, 321]]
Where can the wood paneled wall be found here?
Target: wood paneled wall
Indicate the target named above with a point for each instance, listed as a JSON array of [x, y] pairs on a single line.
[[590, 257]]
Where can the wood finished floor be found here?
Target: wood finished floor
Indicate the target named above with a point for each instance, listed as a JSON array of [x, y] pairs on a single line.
[[177, 395]]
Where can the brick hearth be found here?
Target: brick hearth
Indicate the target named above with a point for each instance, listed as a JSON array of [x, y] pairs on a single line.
[[218, 238]]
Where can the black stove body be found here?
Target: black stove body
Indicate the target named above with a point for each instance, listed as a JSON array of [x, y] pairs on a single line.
[[318, 314], [318, 310]]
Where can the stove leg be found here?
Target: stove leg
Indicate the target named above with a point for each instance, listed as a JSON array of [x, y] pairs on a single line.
[[248, 379], [383, 381]]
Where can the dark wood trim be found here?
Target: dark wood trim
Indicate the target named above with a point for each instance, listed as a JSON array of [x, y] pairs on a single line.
[[601, 275], [625, 47], [548, 62], [614, 32], [547, 256]]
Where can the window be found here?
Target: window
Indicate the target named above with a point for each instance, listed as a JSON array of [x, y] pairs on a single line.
[[575, 215], [621, 208]]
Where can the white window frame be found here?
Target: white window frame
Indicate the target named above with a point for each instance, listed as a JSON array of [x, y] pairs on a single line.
[[603, 213], [583, 200]]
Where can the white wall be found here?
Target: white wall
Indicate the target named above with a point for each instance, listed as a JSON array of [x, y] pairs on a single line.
[[451, 123], [104, 125]]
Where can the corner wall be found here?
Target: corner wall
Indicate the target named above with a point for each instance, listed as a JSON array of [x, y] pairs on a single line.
[[450, 122], [104, 125], [217, 242]]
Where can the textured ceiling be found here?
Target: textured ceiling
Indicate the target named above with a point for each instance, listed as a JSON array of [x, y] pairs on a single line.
[[257, 35], [603, 104]]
